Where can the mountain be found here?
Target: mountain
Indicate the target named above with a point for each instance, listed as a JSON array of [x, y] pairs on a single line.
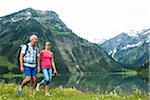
[[143, 70], [132, 50], [72, 53]]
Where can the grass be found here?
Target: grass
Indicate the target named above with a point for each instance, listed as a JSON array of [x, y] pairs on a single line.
[[145, 72], [9, 92], [55, 33], [127, 72]]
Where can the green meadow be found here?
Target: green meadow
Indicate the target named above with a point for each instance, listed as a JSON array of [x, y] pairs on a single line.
[[9, 92]]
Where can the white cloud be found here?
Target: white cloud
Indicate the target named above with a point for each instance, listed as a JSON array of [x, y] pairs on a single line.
[[91, 19]]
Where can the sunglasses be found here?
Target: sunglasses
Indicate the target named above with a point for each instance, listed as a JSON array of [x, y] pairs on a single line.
[[48, 44]]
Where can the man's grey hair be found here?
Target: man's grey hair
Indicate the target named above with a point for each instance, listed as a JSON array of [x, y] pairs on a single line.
[[33, 36]]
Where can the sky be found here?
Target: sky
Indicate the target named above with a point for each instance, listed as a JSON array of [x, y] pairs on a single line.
[[94, 20]]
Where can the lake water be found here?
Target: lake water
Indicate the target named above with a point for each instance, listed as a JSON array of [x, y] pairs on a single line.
[[94, 82]]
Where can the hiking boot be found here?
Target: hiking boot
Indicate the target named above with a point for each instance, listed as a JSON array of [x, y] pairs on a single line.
[[37, 87], [19, 91]]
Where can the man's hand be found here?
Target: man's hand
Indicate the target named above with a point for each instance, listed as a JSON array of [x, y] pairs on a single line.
[[22, 69]]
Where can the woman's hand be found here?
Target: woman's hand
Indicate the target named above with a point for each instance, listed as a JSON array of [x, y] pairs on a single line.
[[38, 69], [54, 73]]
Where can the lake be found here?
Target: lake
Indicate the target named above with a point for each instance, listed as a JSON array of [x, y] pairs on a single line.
[[119, 83]]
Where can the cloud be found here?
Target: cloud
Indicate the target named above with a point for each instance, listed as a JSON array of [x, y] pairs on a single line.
[[90, 19]]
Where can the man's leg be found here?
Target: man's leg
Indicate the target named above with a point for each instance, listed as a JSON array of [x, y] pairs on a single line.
[[32, 84], [25, 81], [33, 79], [27, 73]]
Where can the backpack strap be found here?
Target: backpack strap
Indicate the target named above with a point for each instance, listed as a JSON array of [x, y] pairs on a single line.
[[27, 47], [20, 48]]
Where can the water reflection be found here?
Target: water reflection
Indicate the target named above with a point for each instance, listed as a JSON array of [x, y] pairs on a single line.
[[96, 82]]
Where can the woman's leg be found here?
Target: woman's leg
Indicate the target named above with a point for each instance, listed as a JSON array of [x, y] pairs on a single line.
[[50, 75], [46, 76], [39, 84], [46, 79], [50, 80]]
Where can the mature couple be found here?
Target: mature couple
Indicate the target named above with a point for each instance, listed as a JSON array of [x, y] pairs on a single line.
[[30, 64]]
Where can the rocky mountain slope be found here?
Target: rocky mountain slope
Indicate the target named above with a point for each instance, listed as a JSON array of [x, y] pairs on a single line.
[[131, 50], [72, 53]]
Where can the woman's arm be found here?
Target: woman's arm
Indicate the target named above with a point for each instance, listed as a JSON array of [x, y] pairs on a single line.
[[54, 67]]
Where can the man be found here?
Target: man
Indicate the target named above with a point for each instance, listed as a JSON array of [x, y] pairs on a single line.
[[29, 63]]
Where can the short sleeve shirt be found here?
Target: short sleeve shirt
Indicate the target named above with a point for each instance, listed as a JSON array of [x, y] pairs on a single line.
[[31, 55], [46, 57]]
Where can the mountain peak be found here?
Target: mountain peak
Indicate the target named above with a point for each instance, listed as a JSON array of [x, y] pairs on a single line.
[[28, 13], [29, 9], [40, 12], [47, 19]]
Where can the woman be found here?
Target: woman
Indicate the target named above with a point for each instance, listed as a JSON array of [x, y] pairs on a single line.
[[47, 65]]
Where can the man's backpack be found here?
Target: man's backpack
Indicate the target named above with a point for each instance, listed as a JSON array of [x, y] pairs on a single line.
[[19, 51]]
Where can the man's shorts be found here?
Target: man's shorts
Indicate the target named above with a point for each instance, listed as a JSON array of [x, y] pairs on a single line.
[[29, 71]]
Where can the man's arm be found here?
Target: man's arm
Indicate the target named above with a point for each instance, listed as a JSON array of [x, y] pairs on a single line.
[[21, 63], [22, 53], [38, 63]]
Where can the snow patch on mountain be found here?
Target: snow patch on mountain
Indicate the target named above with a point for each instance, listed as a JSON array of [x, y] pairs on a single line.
[[148, 40], [118, 40], [147, 32], [132, 45], [28, 18], [113, 54], [110, 53], [28, 14], [15, 19], [133, 33]]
